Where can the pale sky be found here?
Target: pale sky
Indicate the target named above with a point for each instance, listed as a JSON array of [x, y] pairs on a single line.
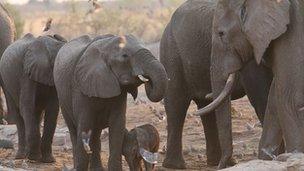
[[25, 1], [21, 1]]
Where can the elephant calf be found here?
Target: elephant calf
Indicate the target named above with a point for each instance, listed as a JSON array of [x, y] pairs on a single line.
[[93, 77], [141, 143], [26, 69]]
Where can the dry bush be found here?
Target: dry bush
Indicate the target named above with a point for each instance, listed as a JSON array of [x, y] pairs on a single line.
[[18, 20], [144, 21]]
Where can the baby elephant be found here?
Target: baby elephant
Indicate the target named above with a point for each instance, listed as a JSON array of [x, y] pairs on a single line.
[[141, 143], [26, 69]]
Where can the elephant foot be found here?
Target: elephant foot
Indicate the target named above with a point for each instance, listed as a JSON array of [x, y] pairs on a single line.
[[48, 158], [213, 162], [174, 163], [34, 156], [224, 163], [97, 169], [21, 154], [213, 158], [95, 162], [94, 166]]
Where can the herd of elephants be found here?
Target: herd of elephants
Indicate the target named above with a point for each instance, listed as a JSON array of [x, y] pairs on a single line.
[[211, 52]]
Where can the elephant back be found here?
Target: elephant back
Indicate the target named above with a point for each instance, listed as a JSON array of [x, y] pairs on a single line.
[[64, 65], [11, 64]]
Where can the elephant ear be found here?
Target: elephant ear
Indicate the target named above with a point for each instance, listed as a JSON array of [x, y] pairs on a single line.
[[264, 21], [94, 77], [37, 64]]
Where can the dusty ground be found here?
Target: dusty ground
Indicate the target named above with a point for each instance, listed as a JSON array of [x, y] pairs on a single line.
[[246, 133]]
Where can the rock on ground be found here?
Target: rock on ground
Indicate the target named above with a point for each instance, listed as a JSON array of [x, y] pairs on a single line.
[[10, 169], [284, 162]]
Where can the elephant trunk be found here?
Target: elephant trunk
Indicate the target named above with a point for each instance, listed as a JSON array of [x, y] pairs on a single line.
[[223, 95], [154, 72]]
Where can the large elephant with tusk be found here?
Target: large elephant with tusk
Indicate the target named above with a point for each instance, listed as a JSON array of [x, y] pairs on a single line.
[[270, 30], [93, 77], [185, 52]]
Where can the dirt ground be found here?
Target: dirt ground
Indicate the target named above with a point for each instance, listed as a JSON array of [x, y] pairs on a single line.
[[246, 133]]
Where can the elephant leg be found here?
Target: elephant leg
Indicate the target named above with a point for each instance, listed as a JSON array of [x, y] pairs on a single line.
[[117, 124], [14, 112], [50, 121], [290, 118], [31, 119], [72, 131], [271, 142], [84, 127], [95, 145], [2, 113], [223, 119], [213, 149], [82, 157], [224, 125], [21, 153], [176, 106], [149, 166]]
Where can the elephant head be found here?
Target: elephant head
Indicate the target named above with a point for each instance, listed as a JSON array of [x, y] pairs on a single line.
[[113, 64], [40, 56], [141, 143], [242, 30]]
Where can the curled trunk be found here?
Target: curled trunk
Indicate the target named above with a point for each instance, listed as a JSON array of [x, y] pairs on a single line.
[[155, 72]]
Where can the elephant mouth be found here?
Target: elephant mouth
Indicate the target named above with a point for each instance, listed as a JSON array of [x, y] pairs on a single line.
[[222, 96], [132, 90]]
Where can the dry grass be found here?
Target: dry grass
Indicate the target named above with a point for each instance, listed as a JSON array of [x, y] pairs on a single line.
[[146, 21]]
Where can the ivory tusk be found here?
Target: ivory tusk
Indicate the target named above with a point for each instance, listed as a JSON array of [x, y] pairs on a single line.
[[142, 78], [223, 95]]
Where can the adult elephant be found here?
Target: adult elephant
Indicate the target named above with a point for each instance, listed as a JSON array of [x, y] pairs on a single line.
[[7, 36], [26, 69], [272, 29], [185, 52], [93, 77]]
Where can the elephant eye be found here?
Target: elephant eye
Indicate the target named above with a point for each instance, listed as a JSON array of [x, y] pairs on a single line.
[[125, 56], [243, 13]]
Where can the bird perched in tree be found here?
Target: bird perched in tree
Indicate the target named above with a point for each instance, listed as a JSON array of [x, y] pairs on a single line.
[[96, 7], [48, 25]]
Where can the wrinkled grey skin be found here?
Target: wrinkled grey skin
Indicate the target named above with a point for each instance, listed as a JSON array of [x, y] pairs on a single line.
[[26, 69], [145, 136], [273, 30], [185, 52], [7, 36], [92, 78]]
